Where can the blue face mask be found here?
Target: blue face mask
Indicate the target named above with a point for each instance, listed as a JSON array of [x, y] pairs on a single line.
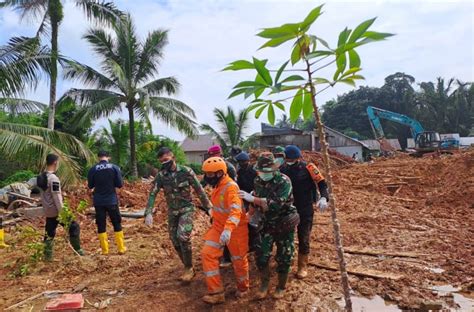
[[266, 176]]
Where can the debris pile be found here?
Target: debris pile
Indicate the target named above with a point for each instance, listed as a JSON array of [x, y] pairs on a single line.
[[406, 223]]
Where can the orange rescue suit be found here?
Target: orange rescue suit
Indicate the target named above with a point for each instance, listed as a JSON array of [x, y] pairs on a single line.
[[227, 213]]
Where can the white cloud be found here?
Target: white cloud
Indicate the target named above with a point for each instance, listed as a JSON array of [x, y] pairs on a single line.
[[434, 38]]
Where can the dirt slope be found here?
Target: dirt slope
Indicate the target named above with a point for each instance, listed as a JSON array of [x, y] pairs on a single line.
[[422, 207]]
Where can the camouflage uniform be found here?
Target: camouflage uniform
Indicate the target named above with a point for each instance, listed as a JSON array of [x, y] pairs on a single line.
[[278, 193], [177, 189]]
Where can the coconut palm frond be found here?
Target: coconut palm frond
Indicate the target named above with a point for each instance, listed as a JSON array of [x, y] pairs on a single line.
[[16, 106], [207, 128], [87, 75], [100, 11], [151, 54], [168, 85], [24, 141], [170, 112]]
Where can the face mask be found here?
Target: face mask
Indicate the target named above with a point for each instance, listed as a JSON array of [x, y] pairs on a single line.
[[290, 163], [266, 176], [212, 181], [167, 165], [279, 161]]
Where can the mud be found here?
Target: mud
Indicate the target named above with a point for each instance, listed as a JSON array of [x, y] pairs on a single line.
[[421, 209]]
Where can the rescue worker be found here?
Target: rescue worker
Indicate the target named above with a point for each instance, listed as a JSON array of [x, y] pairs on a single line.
[[279, 154], [216, 151], [229, 228], [176, 182], [52, 201], [246, 175], [273, 197], [306, 176], [103, 178]]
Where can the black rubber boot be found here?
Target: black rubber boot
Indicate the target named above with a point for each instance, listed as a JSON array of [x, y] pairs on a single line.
[[280, 291]]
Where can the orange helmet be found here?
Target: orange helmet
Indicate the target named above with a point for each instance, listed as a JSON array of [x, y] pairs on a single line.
[[214, 164]]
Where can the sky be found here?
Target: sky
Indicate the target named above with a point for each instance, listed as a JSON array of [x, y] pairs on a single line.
[[433, 39]]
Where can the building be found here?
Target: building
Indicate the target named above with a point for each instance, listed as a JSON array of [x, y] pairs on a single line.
[[195, 149], [272, 136]]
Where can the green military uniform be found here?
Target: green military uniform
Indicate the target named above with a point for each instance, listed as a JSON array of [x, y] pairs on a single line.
[[274, 199], [177, 188], [278, 193]]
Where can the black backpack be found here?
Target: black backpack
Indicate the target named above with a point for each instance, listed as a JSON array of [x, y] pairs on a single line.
[[42, 181]]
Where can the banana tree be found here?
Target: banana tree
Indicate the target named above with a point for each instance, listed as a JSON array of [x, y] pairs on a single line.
[[302, 82]]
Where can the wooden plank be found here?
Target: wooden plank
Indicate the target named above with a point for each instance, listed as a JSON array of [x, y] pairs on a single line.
[[358, 272], [377, 253]]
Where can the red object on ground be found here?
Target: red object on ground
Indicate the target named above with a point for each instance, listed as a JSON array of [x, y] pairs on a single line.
[[65, 302]]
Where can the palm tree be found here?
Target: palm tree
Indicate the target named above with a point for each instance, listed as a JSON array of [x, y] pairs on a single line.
[[50, 13], [20, 60], [232, 126], [115, 139], [128, 66]]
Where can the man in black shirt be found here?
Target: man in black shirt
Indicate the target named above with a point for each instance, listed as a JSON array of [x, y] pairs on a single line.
[[305, 178], [246, 173], [104, 177]]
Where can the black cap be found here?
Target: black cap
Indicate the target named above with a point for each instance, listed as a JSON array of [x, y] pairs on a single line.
[[103, 153], [163, 150]]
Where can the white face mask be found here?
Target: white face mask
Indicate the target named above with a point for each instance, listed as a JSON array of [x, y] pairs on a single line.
[[291, 163], [266, 176]]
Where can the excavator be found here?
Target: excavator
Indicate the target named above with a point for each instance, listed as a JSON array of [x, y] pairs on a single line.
[[426, 142]]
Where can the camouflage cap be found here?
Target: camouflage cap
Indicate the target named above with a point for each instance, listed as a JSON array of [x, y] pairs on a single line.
[[266, 162], [278, 150]]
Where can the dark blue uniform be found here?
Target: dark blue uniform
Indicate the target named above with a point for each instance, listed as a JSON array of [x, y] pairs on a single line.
[[104, 177]]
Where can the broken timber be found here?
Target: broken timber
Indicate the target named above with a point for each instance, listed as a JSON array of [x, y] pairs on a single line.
[[377, 253], [364, 273]]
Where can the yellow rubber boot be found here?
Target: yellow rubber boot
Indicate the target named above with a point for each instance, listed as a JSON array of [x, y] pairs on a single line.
[[120, 242], [104, 243], [2, 239]]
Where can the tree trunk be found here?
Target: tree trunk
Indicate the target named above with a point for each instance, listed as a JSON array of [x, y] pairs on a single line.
[[133, 152], [332, 197], [55, 15]]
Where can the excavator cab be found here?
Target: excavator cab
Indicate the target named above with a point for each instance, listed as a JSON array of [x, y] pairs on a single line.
[[427, 141]]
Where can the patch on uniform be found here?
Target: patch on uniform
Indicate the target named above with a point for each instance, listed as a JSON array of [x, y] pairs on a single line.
[[314, 172], [56, 187]]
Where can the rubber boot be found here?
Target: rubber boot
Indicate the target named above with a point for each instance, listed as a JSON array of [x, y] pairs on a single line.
[[280, 290], [188, 275], [214, 298], [264, 280], [120, 242], [2, 239], [48, 249], [76, 244], [104, 243], [302, 265]]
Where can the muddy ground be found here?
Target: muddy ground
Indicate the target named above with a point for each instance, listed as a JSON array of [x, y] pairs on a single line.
[[412, 217]]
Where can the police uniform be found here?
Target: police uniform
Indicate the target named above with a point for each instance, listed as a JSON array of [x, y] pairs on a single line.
[[104, 178]]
